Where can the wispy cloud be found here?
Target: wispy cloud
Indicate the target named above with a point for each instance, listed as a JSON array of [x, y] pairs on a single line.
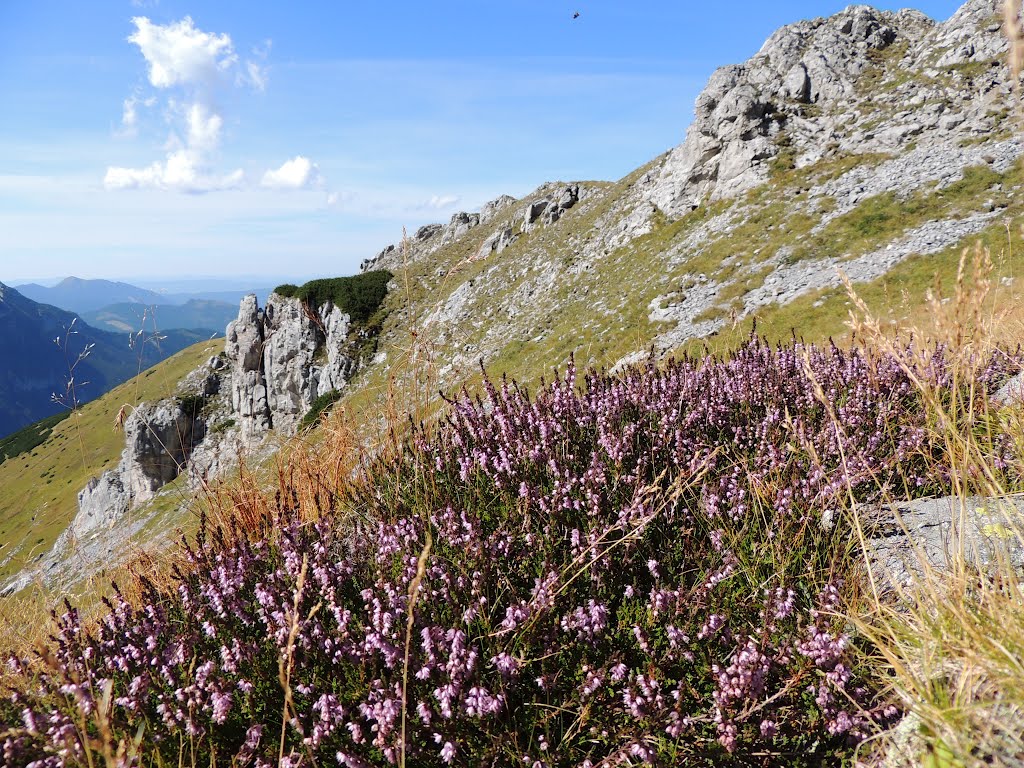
[[189, 67], [438, 202]]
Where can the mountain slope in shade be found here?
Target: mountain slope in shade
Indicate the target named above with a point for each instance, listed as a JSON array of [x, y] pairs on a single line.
[[40, 347], [201, 315]]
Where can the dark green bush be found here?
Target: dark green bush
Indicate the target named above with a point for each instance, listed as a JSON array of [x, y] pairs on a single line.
[[287, 290], [191, 405], [359, 295], [319, 406]]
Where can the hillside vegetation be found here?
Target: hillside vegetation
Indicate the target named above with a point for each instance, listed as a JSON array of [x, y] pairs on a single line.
[[358, 296], [657, 567]]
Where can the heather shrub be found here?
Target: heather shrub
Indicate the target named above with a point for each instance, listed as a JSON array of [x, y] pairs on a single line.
[[628, 570]]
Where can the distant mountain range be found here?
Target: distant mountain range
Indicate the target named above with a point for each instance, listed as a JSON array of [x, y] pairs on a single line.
[[45, 349], [83, 296]]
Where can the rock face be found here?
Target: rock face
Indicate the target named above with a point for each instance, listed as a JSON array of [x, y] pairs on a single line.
[[806, 90], [243, 346], [282, 359], [903, 538], [276, 362], [159, 440]]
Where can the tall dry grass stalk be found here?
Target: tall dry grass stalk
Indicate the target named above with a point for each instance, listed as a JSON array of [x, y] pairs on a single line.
[[950, 643]]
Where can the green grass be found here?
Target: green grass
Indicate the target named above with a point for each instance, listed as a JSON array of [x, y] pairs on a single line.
[[41, 487], [897, 296], [321, 405], [31, 436], [884, 218]]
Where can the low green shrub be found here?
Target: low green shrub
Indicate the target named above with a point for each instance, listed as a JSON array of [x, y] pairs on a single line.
[[322, 404], [192, 405], [359, 295]]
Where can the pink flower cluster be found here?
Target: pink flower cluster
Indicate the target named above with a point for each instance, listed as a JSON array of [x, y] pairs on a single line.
[[596, 593]]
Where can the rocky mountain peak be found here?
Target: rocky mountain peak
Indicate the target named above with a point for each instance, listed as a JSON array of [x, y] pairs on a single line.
[[813, 83]]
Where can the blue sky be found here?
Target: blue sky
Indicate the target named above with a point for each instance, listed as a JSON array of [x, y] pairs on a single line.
[[290, 140]]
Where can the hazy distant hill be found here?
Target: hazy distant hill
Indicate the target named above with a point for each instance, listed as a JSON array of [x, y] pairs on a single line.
[[91, 297], [77, 295], [35, 366], [201, 315]]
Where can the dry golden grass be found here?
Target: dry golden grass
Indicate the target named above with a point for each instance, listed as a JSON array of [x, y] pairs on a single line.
[[950, 644]]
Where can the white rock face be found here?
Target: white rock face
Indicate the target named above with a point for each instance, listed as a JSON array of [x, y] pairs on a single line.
[[159, 438], [743, 109], [290, 342], [282, 358], [803, 93], [243, 347], [102, 502], [340, 365]]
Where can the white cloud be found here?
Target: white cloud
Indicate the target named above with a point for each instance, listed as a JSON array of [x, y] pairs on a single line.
[[180, 54], [257, 75], [182, 171], [129, 117], [297, 173], [191, 65], [439, 202], [203, 128]]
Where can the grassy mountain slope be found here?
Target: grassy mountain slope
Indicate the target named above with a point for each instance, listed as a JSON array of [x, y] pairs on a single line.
[[41, 487], [570, 290]]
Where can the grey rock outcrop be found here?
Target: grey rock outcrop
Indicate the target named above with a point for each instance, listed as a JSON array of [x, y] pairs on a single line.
[[494, 207], [290, 342], [102, 502], [743, 110], [243, 347], [282, 359], [819, 86], [340, 365], [460, 224], [903, 539], [500, 240], [158, 441], [276, 362]]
